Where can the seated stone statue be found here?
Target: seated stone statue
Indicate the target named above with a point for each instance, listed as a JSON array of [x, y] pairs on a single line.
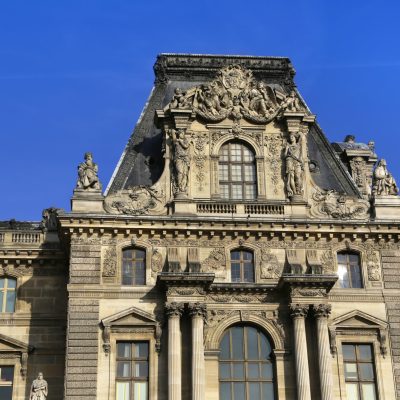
[[39, 389], [87, 174], [384, 183]]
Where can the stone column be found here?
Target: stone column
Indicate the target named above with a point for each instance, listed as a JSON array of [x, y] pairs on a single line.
[[174, 312], [198, 312], [321, 312], [299, 312]]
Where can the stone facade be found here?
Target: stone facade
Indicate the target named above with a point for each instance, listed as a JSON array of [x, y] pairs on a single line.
[[229, 208]]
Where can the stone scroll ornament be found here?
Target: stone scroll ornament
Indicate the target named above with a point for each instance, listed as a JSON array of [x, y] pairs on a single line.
[[138, 200], [383, 182], [235, 94], [329, 203], [87, 174]]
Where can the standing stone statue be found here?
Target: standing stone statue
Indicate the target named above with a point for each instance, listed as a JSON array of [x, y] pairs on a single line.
[[384, 183], [39, 388], [87, 174], [181, 160], [294, 166]]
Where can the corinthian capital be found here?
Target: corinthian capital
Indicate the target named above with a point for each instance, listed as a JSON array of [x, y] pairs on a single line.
[[298, 310], [174, 309], [197, 309], [322, 310]]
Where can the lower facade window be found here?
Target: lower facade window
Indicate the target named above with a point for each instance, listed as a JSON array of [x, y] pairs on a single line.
[[359, 372], [132, 377], [6, 382], [7, 294], [245, 366], [349, 270]]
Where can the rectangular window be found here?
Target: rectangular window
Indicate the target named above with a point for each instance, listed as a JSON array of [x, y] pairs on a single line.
[[133, 267], [6, 382], [349, 270], [7, 294], [359, 372], [132, 377]]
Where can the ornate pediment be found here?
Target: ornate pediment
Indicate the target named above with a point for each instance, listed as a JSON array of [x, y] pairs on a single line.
[[235, 94], [10, 346], [133, 319]]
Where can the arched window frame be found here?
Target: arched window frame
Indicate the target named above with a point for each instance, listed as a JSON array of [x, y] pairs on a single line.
[[359, 254], [259, 162], [248, 361], [242, 250]]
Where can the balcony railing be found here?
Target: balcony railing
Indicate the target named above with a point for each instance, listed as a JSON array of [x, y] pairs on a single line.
[[235, 208]]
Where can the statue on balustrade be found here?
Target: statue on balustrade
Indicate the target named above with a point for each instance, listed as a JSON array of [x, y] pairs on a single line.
[[294, 166], [87, 174], [384, 183], [39, 388]]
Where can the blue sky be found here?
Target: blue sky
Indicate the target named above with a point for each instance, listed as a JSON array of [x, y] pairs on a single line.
[[74, 76]]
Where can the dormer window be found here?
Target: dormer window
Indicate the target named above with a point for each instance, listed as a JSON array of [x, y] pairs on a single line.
[[237, 172]]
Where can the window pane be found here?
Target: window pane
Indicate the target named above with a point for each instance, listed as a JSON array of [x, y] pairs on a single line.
[[123, 391], [366, 372], [141, 369], [237, 191], [224, 370], [225, 391], [247, 155], [252, 343], [6, 374], [11, 283], [124, 350], [265, 347], [2, 280], [1, 300], [224, 190], [140, 390], [6, 392], [223, 172], [248, 273], [368, 391], [235, 255], [350, 371], [250, 172], [236, 171], [254, 390], [349, 352], [250, 192], [247, 255], [239, 391], [10, 302], [235, 272], [355, 276], [364, 352], [127, 254], [352, 391], [141, 350], [237, 343], [266, 371], [343, 277], [253, 370], [123, 369], [268, 391], [224, 354], [354, 258], [140, 254], [341, 258], [238, 370]]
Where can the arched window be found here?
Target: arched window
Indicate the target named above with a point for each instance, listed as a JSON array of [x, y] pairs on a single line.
[[133, 267], [349, 270], [242, 266], [246, 370], [237, 172], [7, 294]]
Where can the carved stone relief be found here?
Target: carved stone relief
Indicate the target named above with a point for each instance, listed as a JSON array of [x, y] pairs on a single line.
[[270, 267], [138, 200], [337, 206], [215, 261], [110, 262], [199, 160], [156, 263], [235, 94], [383, 181], [274, 146]]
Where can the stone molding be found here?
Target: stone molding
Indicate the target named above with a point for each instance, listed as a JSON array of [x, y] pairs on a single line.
[[174, 309], [197, 310], [298, 310], [322, 310]]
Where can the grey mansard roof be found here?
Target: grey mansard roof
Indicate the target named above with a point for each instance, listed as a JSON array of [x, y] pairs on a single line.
[[142, 160]]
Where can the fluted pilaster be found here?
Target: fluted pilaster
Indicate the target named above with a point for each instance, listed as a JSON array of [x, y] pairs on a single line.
[[299, 312], [322, 312], [174, 312], [198, 312]]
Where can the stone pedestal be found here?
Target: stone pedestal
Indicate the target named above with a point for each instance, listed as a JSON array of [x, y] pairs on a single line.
[[299, 312], [88, 200], [198, 313], [174, 312], [184, 206], [387, 207], [322, 312]]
